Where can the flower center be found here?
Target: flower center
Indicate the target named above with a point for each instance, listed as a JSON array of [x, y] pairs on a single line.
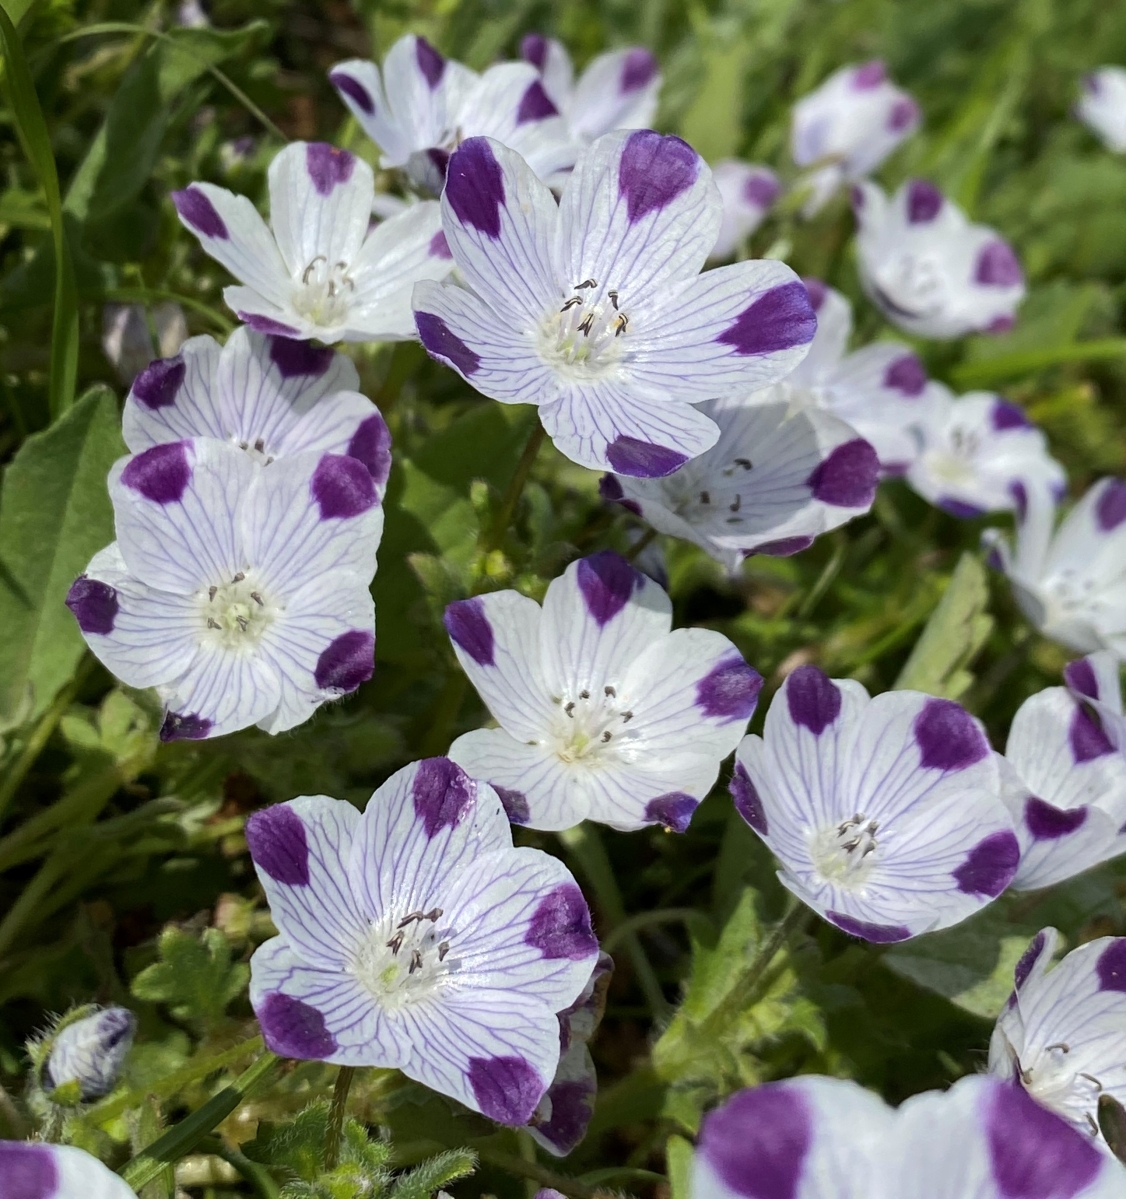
[[845, 853], [324, 291], [590, 726], [1060, 1086], [714, 498], [236, 614], [584, 338], [914, 284], [953, 462], [405, 959]]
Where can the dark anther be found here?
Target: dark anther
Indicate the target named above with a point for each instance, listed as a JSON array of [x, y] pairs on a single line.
[[309, 268], [737, 505], [705, 497], [211, 592], [1059, 1045], [609, 691], [570, 709], [242, 622], [571, 303], [605, 736], [613, 299], [256, 598], [745, 463], [238, 578], [443, 949], [396, 943], [586, 283], [259, 445], [626, 716], [584, 695], [1092, 1079], [621, 324], [213, 624], [411, 919], [416, 961], [586, 323], [433, 914]]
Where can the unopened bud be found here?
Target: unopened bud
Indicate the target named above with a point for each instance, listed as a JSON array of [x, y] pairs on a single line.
[[89, 1052]]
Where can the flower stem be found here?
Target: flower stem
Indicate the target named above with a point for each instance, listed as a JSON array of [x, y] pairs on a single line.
[[515, 489], [517, 1166], [640, 545], [336, 1116]]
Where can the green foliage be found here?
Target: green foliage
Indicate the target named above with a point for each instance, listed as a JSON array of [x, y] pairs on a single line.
[[195, 976]]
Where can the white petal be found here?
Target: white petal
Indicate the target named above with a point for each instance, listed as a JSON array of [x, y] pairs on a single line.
[[222, 691], [175, 398]]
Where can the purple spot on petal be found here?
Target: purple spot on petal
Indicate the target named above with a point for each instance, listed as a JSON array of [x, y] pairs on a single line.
[[94, 604], [848, 477], [267, 324], [1034, 1154], [1110, 511], [817, 291], [327, 166], [879, 934], [813, 699], [1028, 960], [762, 190], [470, 630], [1087, 737], [572, 1105], [441, 342], [439, 247], [507, 1089], [430, 62], [299, 358], [535, 105], [443, 794], [856, 199], [279, 844], [948, 736], [784, 547], [729, 691], [160, 474], [958, 508], [610, 489], [779, 319], [870, 75], [184, 726], [1111, 967], [1007, 415], [515, 804], [560, 925], [348, 661], [353, 89], [990, 865], [607, 581], [747, 801], [997, 266], [371, 445], [342, 487], [653, 171], [638, 70], [294, 1029], [197, 211], [672, 811], [1001, 324], [1080, 676], [758, 1141], [533, 49], [29, 1171], [904, 113], [906, 375], [1019, 493], [157, 384], [642, 460], [923, 201], [475, 186], [1048, 823]]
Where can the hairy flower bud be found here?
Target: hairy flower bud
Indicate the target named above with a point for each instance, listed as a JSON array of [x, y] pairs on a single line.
[[90, 1052]]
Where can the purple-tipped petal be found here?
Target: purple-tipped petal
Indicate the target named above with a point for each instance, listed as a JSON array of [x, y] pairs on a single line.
[[430, 62], [607, 581], [328, 167], [560, 925], [924, 201], [989, 866], [157, 384], [299, 359], [1019, 493], [813, 699], [948, 736], [267, 324], [729, 691], [439, 247], [342, 487], [638, 70], [533, 49], [848, 477], [653, 171], [515, 804], [997, 266], [747, 801], [184, 726], [869, 75], [904, 113], [352, 88], [28, 1170], [371, 445], [348, 661], [572, 1105], [470, 630], [442, 793], [1048, 823], [1028, 960], [784, 547], [1110, 511], [475, 186], [642, 460], [1080, 676], [1007, 415], [959, 508], [878, 934], [279, 844], [507, 1089], [757, 1142], [94, 605], [762, 190], [535, 105], [779, 319], [907, 375], [1111, 967], [673, 812], [817, 291], [161, 474], [1087, 737], [197, 211], [440, 341], [291, 1028]]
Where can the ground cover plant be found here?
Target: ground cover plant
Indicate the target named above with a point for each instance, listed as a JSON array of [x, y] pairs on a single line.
[[562, 584]]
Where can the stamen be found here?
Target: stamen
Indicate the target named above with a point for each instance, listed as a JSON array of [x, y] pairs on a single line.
[[613, 296], [416, 961], [621, 324], [745, 463], [211, 592], [1061, 1045], [586, 283], [309, 269], [573, 302], [586, 323], [705, 497], [1091, 1124], [242, 623], [411, 919], [570, 709], [609, 692], [605, 736], [1092, 1079], [256, 598], [584, 695], [260, 445], [626, 717], [396, 943], [737, 505], [434, 914], [238, 578], [443, 949], [212, 623]]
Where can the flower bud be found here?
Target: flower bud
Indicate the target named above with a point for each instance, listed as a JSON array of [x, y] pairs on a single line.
[[90, 1052]]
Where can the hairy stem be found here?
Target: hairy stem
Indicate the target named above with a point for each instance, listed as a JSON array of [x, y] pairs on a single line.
[[515, 489], [336, 1115]]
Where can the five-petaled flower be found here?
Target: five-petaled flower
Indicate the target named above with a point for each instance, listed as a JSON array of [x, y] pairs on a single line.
[[594, 309], [416, 937], [885, 812], [33, 1170], [605, 714], [316, 270], [240, 592], [1062, 1034], [271, 396], [1102, 106], [928, 269]]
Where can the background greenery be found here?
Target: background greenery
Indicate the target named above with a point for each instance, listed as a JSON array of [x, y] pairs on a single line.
[[124, 875]]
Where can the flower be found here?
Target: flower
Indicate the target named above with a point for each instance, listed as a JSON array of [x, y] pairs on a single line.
[[1095, 682], [239, 592], [38, 1171], [928, 269], [978, 452], [1062, 1035], [317, 271], [1102, 107], [415, 936], [423, 105], [564, 1113], [127, 341], [885, 812], [778, 477], [271, 396], [847, 127], [748, 193], [829, 1138], [89, 1051], [1066, 787], [605, 714], [1071, 585], [616, 91], [594, 310]]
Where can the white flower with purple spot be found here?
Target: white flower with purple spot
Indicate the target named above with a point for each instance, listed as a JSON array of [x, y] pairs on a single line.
[[316, 270], [594, 308], [1071, 585], [778, 477], [846, 128], [829, 1138], [885, 813], [1102, 106], [748, 194], [1062, 1035], [605, 714], [416, 937], [271, 396], [32, 1170], [422, 105], [618, 90], [978, 453], [89, 1051], [240, 592], [1065, 786], [928, 269]]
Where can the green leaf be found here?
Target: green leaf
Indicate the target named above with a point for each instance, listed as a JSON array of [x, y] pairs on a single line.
[[195, 977], [55, 514], [952, 637], [435, 1172], [713, 123]]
